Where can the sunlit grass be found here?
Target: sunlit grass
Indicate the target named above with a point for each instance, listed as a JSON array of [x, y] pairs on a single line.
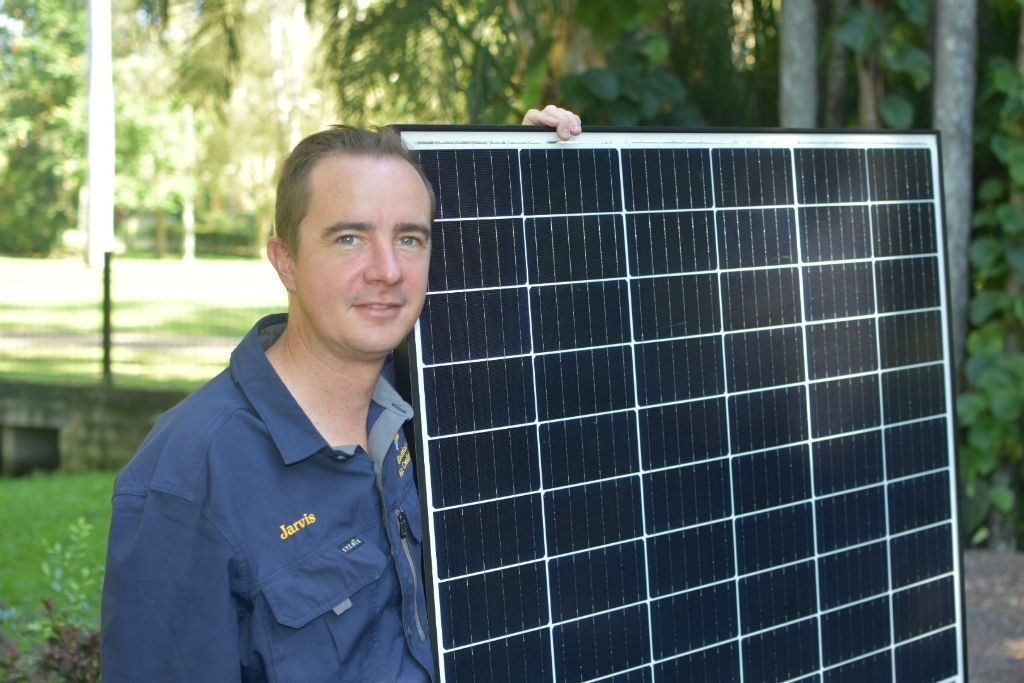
[[174, 323]]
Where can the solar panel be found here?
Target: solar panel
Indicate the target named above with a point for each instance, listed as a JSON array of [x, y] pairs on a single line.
[[685, 408]]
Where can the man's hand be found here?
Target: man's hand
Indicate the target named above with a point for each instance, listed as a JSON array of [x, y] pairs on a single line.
[[565, 123]]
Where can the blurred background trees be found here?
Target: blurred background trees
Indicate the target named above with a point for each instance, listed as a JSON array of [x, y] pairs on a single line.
[[210, 95]]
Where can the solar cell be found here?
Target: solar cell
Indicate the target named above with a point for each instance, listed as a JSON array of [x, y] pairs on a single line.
[[684, 409]]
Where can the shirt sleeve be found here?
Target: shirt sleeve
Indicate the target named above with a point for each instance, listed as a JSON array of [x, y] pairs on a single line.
[[168, 613]]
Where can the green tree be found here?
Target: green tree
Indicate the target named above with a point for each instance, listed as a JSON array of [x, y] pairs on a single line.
[[42, 121]]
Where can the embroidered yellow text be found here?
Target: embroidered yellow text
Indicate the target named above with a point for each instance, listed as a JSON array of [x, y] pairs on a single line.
[[403, 459], [288, 529]]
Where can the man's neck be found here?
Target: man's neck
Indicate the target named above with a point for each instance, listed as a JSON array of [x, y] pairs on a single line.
[[334, 393]]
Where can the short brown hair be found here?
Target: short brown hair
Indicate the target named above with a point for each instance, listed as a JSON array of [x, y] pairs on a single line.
[[293, 191]]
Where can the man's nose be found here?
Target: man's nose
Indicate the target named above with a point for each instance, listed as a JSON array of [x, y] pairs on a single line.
[[385, 265]]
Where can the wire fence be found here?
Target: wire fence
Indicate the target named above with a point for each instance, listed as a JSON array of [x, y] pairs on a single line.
[[173, 323]]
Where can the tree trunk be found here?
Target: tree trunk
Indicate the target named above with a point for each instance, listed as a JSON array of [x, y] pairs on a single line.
[[798, 92], [835, 71], [870, 86], [953, 115]]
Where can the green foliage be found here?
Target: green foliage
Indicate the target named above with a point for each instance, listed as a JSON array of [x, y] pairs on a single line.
[[42, 122], [62, 643], [991, 407], [892, 38], [634, 88]]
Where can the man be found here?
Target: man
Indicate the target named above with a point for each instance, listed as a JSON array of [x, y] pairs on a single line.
[[269, 526]]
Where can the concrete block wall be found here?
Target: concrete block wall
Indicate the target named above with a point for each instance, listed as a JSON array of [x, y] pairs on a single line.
[[74, 427]]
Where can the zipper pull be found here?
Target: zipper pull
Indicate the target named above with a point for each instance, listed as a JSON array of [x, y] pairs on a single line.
[[403, 523]]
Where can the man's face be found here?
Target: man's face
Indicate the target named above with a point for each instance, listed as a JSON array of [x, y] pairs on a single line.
[[359, 279]]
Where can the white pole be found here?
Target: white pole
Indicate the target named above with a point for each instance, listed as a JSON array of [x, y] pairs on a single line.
[[101, 134]]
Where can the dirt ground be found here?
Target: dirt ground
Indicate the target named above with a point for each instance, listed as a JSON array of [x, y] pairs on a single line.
[[994, 612]]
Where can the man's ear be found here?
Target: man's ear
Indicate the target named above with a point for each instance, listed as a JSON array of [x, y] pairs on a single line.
[[281, 258]]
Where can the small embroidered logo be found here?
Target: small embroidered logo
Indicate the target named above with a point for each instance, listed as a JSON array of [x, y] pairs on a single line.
[[288, 530], [352, 544]]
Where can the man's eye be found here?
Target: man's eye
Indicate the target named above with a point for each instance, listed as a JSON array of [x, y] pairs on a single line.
[[347, 240], [411, 240]]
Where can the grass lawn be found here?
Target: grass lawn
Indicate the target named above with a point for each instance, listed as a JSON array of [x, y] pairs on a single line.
[[38, 512], [174, 323]]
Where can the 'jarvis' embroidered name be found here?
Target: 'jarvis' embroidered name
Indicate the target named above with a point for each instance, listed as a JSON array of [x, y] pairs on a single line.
[[287, 530]]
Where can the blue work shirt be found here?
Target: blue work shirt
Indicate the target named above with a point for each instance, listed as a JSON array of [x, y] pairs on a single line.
[[244, 547]]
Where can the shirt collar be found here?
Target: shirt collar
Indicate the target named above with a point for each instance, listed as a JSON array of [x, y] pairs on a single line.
[[294, 435]]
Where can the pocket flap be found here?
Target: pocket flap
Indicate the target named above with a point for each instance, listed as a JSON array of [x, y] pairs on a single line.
[[323, 581]]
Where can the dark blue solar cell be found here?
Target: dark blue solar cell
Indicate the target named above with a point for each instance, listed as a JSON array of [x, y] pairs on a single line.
[[482, 395], [470, 325], [877, 667], [663, 243], [667, 307], [895, 174], [932, 658], [592, 515], [844, 347], [719, 664], [781, 654], [922, 555], [916, 447], [565, 180], [752, 177], [575, 248], [834, 233], [579, 315], [474, 254], [488, 535], [838, 291], [584, 382], [679, 433], [760, 298], [597, 580], [853, 575], [830, 176], [694, 619], [847, 462], [469, 183], [774, 537], [845, 405], [471, 467], [599, 447], [776, 597], [768, 418], [919, 501], [848, 519], [766, 358], [903, 229], [678, 370], [923, 608], [688, 495], [906, 284], [690, 558], [756, 237], [910, 339], [855, 630], [770, 478], [598, 645], [914, 393], [523, 657], [666, 179], [493, 604]]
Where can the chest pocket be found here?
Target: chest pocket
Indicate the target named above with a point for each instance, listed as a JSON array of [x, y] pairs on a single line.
[[325, 614]]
